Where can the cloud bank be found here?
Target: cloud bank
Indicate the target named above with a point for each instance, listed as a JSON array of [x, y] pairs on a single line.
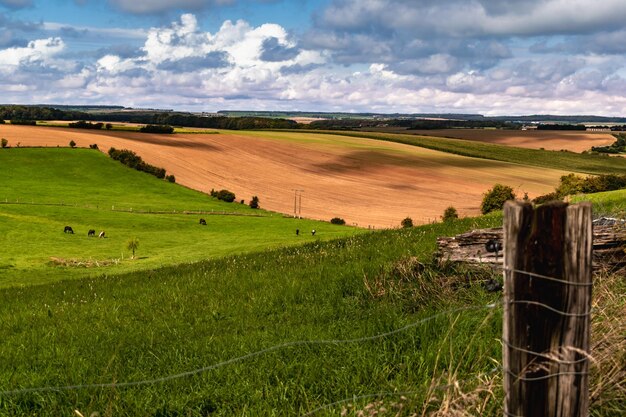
[[489, 56]]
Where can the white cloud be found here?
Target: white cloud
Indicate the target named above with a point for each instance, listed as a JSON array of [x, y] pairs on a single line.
[[37, 51]]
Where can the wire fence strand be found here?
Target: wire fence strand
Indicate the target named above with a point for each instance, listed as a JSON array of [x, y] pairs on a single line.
[[244, 357]]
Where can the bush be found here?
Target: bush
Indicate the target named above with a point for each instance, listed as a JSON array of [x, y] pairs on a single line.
[[93, 146], [337, 220], [72, 144], [5, 143], [108, 126], [225, 195], [170, 178], [157, 129], [2, 121], [407, 222], [495, 198], [254, 203], [450, 214]]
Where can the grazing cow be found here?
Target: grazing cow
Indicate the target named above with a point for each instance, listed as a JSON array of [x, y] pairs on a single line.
[[68, 229], [313, 232], [91, 232], [203, 222], [101, 234]]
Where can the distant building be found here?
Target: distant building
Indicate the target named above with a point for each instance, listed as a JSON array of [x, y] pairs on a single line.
[[529, 127]]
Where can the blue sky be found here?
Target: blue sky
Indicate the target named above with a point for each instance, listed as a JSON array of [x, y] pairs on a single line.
[[471, 56]]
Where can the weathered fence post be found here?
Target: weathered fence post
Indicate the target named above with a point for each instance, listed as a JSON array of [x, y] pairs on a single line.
[[547, 302]]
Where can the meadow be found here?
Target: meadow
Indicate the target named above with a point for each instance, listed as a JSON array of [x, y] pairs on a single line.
[[150, 325], [44, 190]]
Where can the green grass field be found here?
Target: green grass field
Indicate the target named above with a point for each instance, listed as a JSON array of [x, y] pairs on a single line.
[[43, 190], [149, 325], [568, 161]]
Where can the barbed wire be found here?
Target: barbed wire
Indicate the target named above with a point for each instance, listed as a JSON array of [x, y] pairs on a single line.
[[546, 355], [244, 357], [543, 377], [535, 275], [562, 313]]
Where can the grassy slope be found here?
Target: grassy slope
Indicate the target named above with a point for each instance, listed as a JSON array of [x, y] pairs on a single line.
[[31, 235], [608, 203], [152, 324], [568, 161], [88, 178]]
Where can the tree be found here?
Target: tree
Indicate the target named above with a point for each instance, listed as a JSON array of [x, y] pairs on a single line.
[[72, 144], [495, 198], [108, 126], [132, 245], [5, 143], [170, 178], [337, 220], [254, 203], [407, 222], [450, 214]]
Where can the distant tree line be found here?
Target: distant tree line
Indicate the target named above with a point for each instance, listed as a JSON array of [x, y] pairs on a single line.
[[82, 124], [132, 160], [409, 124], [23, 122], [555, 126], [157, 129], [32, 113]]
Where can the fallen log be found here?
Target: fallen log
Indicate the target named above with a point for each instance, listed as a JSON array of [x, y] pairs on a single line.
[[609, 246]]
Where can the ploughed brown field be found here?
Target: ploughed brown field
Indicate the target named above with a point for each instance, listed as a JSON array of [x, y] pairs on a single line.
[[552, 140], [366, 182]]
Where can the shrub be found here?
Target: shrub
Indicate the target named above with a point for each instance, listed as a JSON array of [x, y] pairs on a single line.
[[337, 220], [449, 214], [72, 144], [495, 198], [225, 195], [94, 146], [157, 129], [213, 193], [108, 126], [5, 143], [407, 222], [254, 203], [170, 178], [2, 121], [545, 198]]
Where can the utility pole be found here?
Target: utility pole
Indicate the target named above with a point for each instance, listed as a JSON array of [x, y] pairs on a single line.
[[297, 202]]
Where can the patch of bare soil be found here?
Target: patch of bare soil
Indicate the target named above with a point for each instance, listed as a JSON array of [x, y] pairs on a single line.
[[553, 140]]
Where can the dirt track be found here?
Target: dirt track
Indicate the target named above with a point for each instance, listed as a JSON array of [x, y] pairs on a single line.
[[366, 182]]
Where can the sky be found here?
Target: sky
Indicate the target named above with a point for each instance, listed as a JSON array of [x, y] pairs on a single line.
[[494, 57]]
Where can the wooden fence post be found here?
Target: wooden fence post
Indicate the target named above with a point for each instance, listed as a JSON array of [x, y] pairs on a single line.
[[547, 302]]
